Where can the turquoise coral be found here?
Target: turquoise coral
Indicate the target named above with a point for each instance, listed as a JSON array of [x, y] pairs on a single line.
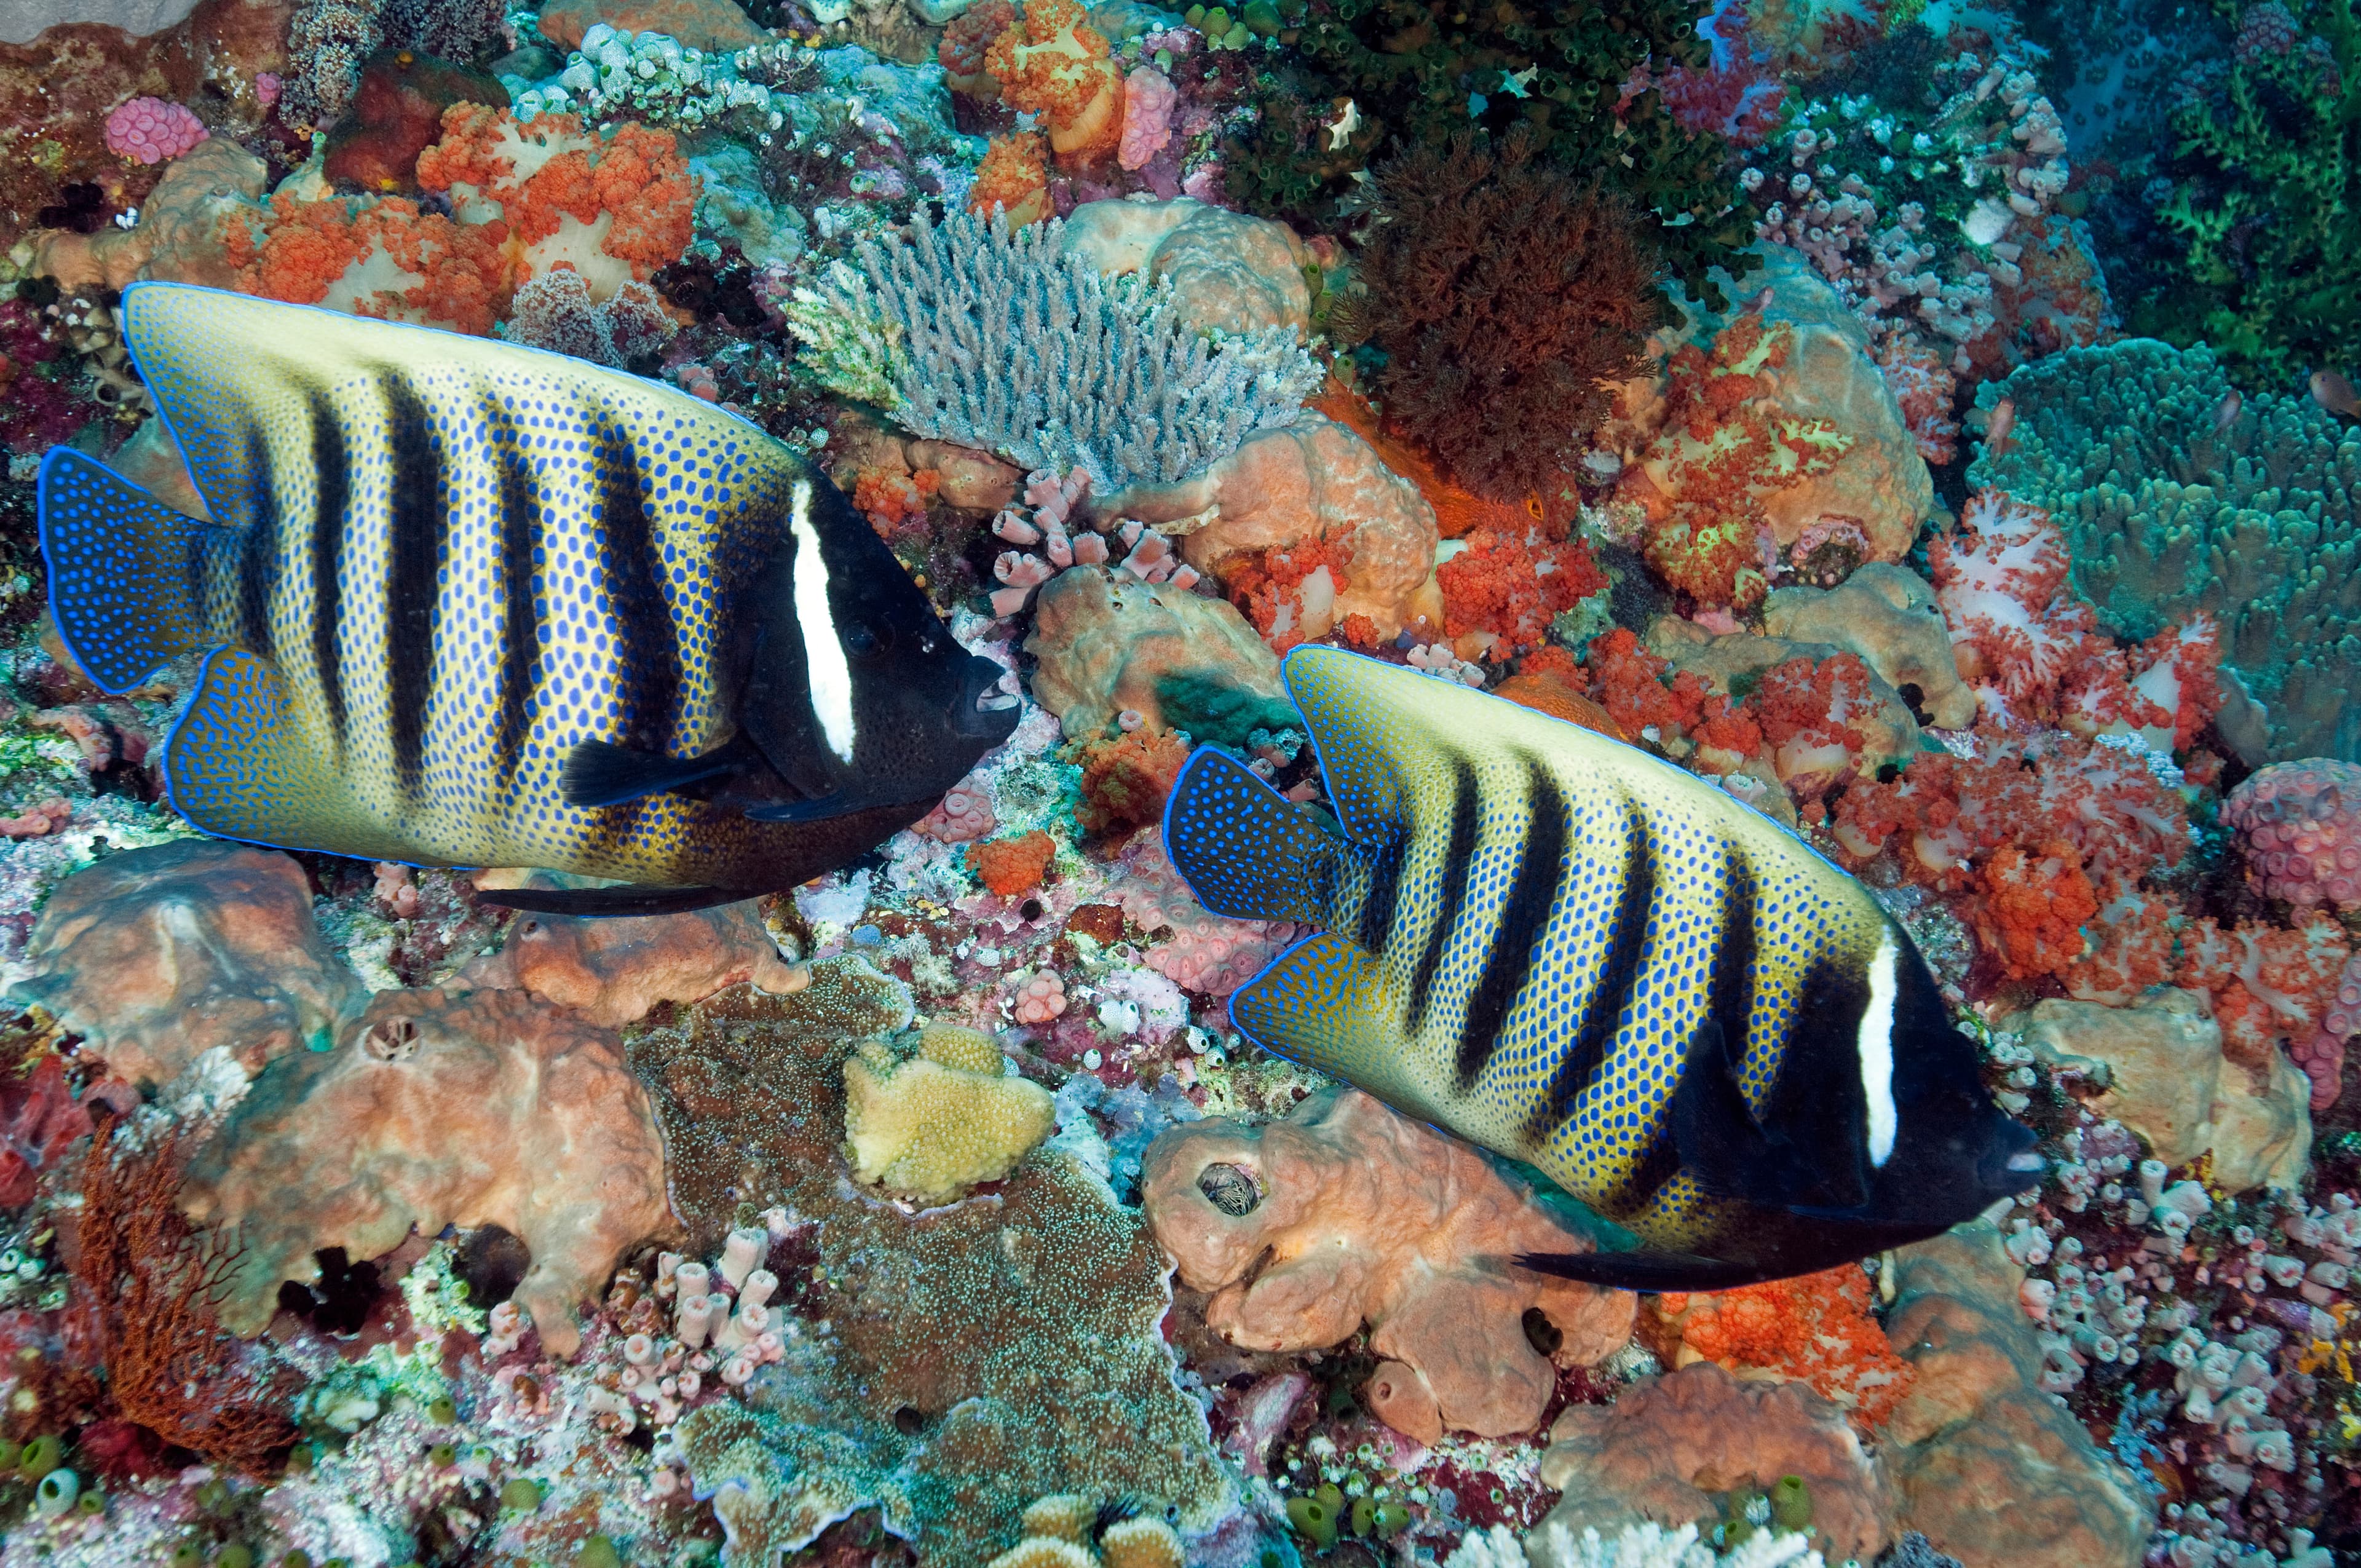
[[2178, 502]]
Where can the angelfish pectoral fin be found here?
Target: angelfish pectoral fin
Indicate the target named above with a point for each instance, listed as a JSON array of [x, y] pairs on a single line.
[[1314, 1003], [819, 810], [598, 772]]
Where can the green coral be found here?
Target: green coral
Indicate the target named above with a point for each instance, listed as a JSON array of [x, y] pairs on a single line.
[[2175, 502], [1419, 73], [2266, 204]]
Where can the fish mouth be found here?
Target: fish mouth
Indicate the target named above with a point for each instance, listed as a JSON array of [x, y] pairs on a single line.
[[987, 706]]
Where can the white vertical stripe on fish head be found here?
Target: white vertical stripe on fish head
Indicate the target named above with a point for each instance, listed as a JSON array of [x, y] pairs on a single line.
[[824, 663], [1875, 1046]]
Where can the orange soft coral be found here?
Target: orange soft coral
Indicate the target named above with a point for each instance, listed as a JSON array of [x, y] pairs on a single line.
[[1458, 511], [1550, 682], [892, 501], [1015, 178], [1052, 62], [970, 34], [614, 209], [1126, 779], [1274, 590], [1012, 866], [2032, 909], [380, 259], [1817, 1329], [2271, 985], [1508, 584]]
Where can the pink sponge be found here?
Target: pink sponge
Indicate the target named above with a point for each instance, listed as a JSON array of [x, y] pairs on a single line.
[[152, 130], [2299, 823]]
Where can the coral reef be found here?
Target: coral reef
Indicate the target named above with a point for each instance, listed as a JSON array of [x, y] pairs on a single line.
[[2296, 830], [467, 1108], [2180, 496], [157, 956], [1228, 272], [615, 972], [1507, 301], [935, 330], [1178, 660], [1348, 1213], [1665, 1448]]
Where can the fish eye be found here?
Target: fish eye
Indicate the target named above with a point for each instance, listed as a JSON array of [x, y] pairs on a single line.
[[860, 638]]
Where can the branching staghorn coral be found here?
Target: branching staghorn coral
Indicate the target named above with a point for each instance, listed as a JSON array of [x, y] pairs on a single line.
[[970, 334], [2178, 499]]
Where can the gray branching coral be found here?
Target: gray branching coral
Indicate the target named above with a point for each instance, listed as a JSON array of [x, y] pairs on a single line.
[[967, 333], [2177, 500]]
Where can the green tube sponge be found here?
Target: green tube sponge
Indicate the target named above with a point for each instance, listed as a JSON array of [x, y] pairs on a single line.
[[1791, 1504], [2179, 497]]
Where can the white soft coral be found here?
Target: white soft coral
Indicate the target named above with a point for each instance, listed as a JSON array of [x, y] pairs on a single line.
[[2000, 578]]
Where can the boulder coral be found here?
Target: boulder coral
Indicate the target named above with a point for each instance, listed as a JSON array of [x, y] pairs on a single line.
[[1348, 1213], [1887, 615], [1180, 661], [1990, 1469], [156, 956], [1313, 483], [1228, 272], [1670, 1447], [203, 198], [438, 1108], [615, 971], [2158, 1067]]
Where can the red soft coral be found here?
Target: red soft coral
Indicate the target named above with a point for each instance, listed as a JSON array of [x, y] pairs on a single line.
[[40, 1121], [1270, 588], [1630, 682], [2274, 987], [322, 252], [2000, 578], [1509, 586], [1811, 714]]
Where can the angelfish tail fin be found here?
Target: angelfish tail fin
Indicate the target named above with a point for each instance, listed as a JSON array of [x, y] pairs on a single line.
[[1244, 850], [120, 585]]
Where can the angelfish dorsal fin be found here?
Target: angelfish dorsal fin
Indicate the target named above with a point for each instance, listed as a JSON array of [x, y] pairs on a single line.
[[1354, 720]]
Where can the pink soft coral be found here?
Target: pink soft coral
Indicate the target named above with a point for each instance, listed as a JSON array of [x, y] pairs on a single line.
[[1999, 577], [152, 130], [2272, 987], [1148, 100]]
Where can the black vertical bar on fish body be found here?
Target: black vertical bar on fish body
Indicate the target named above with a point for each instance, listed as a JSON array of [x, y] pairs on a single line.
[[1729, 1001], [1524, 915], [520, 505], [1459, 865], [645, 660], [1381, 901], [1619, 973], [257, 566], [413, 527], [329, 493]]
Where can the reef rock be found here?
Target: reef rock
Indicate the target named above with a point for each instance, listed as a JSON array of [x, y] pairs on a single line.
[[718, 26], [615, 971], [438, 1108], [1990, 1469], [183, 233], [1108, 643], [156, 956], [1670, 1446], [2158, 1067], [1229, 273], [1315, 480], [1348, 1213], [1731, 665], [1880, 485], [1888, 614]]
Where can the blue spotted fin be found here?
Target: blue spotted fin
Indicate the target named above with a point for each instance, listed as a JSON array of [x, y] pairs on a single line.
[[1316, 1003], [1245, 850], [119, 582]]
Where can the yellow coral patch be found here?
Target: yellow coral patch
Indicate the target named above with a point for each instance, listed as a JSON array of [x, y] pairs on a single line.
[[1062, 1517], [1040, 1552], [971, 1050], [1141, 1542], [934, 1131]]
